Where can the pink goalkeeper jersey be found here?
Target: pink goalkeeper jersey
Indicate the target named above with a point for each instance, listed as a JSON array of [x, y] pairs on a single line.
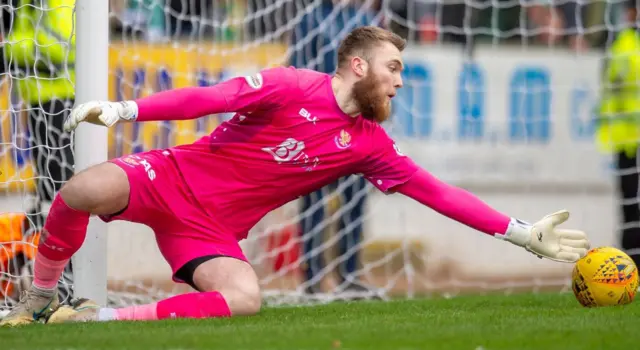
[[288, 138]]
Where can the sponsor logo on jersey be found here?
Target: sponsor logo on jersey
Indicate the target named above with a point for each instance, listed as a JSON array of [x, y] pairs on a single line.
[[343, 140], [292, 151], [285, 151]]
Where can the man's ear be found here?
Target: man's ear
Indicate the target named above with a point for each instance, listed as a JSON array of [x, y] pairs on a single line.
[[359, 66]]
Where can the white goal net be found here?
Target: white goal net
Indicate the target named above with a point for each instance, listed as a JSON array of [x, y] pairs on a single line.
[[498, 98]]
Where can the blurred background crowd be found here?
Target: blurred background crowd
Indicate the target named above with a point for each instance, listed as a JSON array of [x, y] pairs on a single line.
[[578, 24]]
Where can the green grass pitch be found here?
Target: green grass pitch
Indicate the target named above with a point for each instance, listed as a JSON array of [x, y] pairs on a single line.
[[518, 322]]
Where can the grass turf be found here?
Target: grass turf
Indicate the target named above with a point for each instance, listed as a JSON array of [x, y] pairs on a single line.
[[527, 321]]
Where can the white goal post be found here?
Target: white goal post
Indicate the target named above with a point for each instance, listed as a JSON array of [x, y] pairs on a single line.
[[91, 141]]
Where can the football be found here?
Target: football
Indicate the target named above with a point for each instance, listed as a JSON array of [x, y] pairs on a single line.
[[606, 276]]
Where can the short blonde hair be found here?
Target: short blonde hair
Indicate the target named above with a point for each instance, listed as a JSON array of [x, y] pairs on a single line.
[[362, 39]]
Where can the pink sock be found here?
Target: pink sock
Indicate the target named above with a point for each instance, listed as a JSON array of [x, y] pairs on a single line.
[[63, 234], [191, 305], [145, 312], [47, 272]]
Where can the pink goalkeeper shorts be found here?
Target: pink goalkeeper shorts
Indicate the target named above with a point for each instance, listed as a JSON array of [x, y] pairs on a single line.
[[160, 199]]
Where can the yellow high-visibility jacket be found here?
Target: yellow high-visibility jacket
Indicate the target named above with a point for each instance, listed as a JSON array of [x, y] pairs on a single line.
[[40, 50]]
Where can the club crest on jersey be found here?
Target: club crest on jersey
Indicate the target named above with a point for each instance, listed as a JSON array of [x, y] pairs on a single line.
[[343, 140], [255, 81]]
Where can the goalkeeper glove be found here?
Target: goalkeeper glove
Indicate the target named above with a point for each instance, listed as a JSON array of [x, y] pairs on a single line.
[[544, 239], [101, 113]]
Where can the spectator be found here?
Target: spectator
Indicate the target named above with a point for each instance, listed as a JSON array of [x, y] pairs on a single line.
[[558, 21], [140, 18], [42, 71], [618, 131]]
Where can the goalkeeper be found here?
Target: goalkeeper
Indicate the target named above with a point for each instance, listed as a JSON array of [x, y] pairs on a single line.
[[270, 154]]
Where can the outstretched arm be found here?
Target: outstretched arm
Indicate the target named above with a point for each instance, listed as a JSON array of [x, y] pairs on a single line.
[[455, 203], [542, 238], [185, 103], [391, 171], [268, 89]]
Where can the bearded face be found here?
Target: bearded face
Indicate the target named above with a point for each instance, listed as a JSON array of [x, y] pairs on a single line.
[[371, 98]]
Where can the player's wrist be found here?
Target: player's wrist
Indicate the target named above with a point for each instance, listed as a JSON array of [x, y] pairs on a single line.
[[127, 110], [518, 232]]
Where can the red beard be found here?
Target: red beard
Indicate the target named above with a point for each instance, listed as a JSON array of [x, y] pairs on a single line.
[[372, 103]]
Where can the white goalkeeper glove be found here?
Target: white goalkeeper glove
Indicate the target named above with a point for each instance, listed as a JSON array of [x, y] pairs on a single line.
[[101, 113], [544, 239]]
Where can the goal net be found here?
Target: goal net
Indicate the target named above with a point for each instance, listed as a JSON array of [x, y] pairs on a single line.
[[498, 98]]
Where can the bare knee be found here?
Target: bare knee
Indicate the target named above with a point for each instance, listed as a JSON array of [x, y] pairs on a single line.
[[235, 280], [245, 301], [101, 190]]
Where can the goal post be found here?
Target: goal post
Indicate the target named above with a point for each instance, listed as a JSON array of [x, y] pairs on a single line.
[[91, 141]]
